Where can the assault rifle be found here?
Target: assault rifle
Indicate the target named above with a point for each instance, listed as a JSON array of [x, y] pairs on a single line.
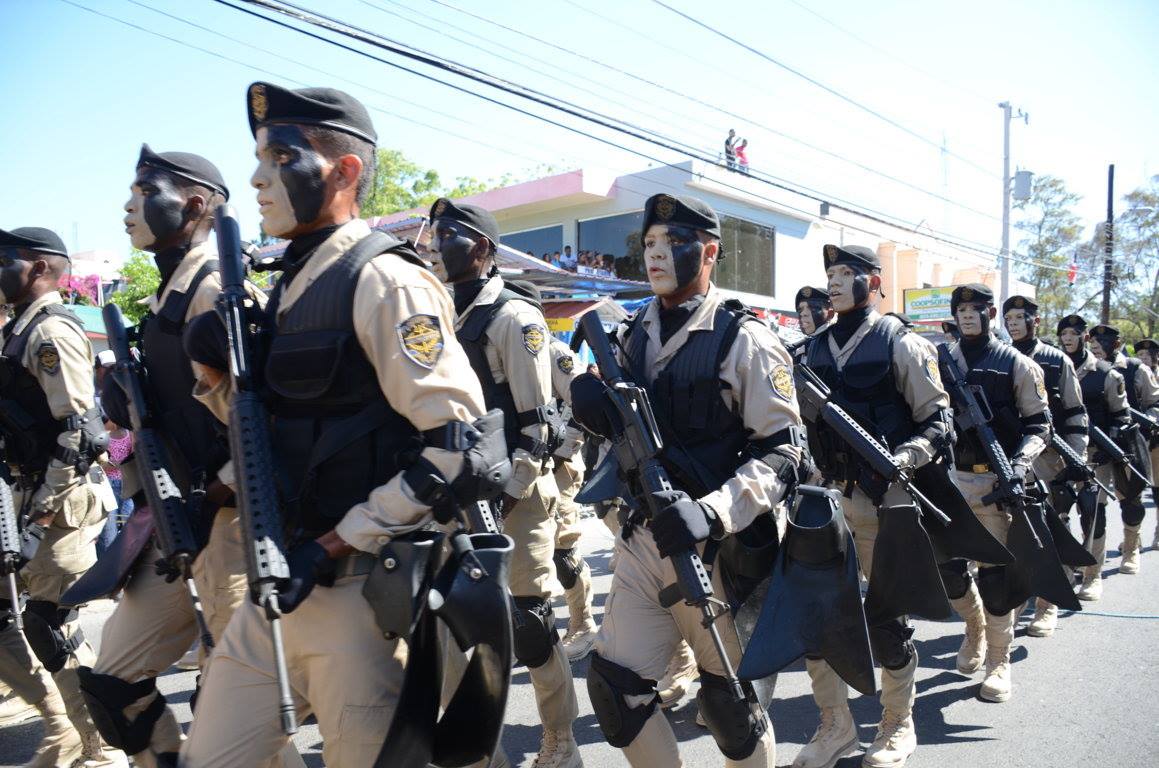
[[169, 509], [1145, 422], [251, 448], [1073, 461], [815, 399], [1114, 453], [10, 549], [968, 412], [637, 447]]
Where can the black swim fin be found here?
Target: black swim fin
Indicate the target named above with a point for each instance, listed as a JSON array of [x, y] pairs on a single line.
[[904, 577], [964, 536]]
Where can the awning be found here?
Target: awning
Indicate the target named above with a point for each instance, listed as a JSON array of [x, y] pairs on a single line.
[[563, 315]]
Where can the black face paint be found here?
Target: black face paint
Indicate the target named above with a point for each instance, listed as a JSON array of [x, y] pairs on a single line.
[[686, 252], [12, 280], [1107, 344], [860, 289], [454, 243], [301, 174], [164, 202], [818, 311]]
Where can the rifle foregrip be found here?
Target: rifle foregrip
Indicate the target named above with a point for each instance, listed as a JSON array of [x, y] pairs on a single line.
[[163, 495], [261, 522], [861, 441], [694, 581], [597, 339], [9, 532]]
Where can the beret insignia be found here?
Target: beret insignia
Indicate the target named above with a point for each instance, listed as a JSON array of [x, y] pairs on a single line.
[[782, 382], [967, 294], [565, 363], [933, 372], [440, 207], [534, 339], [806, 291], [665, 207], [421, 339], [48, 358], [830, 253], [259, 106], [1020, 302]]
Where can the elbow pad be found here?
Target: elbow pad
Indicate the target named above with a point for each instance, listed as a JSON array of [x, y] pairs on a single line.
[[938, 429], [1038, 424]]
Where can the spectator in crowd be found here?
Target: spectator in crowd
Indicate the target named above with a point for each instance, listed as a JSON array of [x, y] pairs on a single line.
[[555, 259], [730, 150], [742, 156], [568, 260], [120, 446]]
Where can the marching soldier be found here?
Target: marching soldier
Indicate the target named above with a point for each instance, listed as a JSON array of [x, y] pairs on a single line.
[[386, 381], [1104, 392], [1143, 396], [723, 386], [1012, 385], [814, 312], [53, 438], [506, 340], [888, 378], [1147, 350], [1067, 414]]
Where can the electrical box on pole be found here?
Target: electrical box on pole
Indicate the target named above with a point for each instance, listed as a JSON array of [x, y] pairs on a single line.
[[1023, 181]]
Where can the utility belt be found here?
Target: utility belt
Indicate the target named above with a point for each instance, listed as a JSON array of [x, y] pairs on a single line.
[[358, 564]]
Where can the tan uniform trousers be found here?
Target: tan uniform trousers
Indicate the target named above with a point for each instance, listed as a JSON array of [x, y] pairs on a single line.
[[569, 478], [898, 691], [67, 551], [640, 634], [154, 623], [341, 669], [997, 522]]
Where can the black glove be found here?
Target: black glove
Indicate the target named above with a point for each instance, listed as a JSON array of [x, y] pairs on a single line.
[[163, 567], [309, 565], [114, 403], [681, 523], [1075, 474], [591, 408]]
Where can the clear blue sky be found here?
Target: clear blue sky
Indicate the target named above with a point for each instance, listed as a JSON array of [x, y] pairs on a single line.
[[81, 92]]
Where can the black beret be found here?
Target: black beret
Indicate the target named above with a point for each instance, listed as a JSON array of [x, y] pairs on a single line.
[[271, 104], [970, 293], [682, 211], [904, 318], [525, 288], [949, 326], [206, 342], [1020, 302], [1105, 330], [808, 293], [36, 239], [853, 255], [1072, 321], [1147, 344], [187, 165], [478, 219]]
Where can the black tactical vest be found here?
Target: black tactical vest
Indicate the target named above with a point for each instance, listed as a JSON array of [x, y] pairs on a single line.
[[1131, 371], [335, 436], [994, 375], [1093, 387], [866, 387], [30, 430], [704, 439], [1051, 360], [195, 440]]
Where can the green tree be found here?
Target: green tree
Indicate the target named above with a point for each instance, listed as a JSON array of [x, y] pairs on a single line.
[[1135, 290], [141, 280], [1052, 233]]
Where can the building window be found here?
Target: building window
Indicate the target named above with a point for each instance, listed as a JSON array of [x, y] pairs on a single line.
[[748, 257], [536, 242], [611, 245]]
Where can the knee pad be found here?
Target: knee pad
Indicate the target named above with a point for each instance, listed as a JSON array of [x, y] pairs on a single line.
[[891, 643], [568, 566], [1100, 523], [608, 683], [993, 587], [1133, 512], [43, 622], [955, 577], [107, 696], [535, 632], [730, 720]]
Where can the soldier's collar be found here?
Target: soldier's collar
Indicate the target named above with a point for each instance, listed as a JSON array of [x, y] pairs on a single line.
[[20, 323]]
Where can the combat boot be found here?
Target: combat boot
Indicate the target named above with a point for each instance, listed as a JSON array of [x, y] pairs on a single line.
[[896, 741], [1045, 619], [973, 650], [558, 750], [97, 754], [581, 627], [15, 710], [1092, 589], [999, 635], [835, 738], [61, 746], [678, 677], [1130, 550]]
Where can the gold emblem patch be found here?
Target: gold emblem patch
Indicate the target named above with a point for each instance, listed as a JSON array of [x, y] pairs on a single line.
[[259, 106], [1039, 386], [806, 291], [534, 338], [967, 294], [421, 339], [440, 207], [665, 207], [1019, 302], [48, 358], [933, 372], [565, 363], [782, 382], [830, 254]]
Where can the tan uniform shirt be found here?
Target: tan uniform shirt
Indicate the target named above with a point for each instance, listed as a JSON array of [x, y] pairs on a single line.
[[60, 357], [517, 352], [565, 367], [1029, 399], [760, 390], [1114, 388], [915, 371], [1049, 464], [1146, 390], [427, 392]]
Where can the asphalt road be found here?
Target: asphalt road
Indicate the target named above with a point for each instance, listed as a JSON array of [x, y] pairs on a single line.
[[1088, 696]]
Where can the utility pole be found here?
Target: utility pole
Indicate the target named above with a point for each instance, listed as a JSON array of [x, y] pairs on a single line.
[[1007, 114], [1109, 246]]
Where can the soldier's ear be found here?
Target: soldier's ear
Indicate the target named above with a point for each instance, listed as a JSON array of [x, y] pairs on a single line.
[[711, 250], [993, 312]]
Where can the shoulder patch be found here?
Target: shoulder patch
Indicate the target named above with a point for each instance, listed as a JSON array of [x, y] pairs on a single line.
[[933, 371], [565, 363], [421, 339], [1122, 386], [782, 382], [534, 338], [1039, 385], [48, 358]]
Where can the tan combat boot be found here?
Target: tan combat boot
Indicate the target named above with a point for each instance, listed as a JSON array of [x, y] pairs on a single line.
[[1045, 619], [973, 650], [678, 677], [896, 741], [999, 635], [14, 709], [834, 738], [1092, 588], [581, 627], [1130, 550], [558, 750], [61, 746], [98, 754]]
